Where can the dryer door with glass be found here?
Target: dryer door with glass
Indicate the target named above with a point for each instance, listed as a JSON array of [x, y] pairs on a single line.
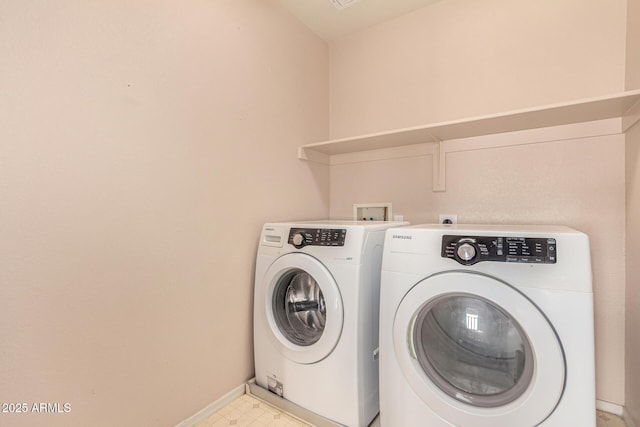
[[475, 349], [303, 307]]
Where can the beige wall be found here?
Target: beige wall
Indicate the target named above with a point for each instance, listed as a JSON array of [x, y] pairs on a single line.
[[459, 59], [135, 140], [633, 45], [632, 395]]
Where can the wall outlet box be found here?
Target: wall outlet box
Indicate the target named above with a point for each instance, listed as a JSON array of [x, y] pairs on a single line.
[[372, 212], [448, 219]]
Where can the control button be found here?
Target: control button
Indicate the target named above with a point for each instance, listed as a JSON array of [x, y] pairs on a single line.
[[466, 252]]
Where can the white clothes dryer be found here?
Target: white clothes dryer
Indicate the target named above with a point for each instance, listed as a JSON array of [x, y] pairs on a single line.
[[486, 326], [316, 312]]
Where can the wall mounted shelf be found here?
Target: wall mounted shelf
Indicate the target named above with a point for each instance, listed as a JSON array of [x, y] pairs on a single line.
[[625, 105]]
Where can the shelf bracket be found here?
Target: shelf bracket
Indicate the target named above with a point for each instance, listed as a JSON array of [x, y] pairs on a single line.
[[439, 167]]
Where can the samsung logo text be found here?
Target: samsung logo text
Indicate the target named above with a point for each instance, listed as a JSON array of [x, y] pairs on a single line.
[[400, 236]]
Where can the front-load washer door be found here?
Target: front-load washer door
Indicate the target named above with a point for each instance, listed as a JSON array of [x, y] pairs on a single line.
[[477, 351], [303, 307]]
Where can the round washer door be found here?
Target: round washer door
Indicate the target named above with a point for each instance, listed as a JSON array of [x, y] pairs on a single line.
[[303, 307], [477, 351]]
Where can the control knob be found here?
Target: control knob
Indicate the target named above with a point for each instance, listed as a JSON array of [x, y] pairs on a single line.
[[466, 252], [298, 240]]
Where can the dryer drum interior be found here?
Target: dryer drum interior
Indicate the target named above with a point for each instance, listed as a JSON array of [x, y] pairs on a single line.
[[473, 350], [299, 307]]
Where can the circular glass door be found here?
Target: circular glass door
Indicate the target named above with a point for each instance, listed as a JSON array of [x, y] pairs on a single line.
[[473, 350], [299, 308], [477, 351], [303, 307]]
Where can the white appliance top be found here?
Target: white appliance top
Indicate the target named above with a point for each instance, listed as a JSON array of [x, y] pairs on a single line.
[[518, 229], [371, 225]]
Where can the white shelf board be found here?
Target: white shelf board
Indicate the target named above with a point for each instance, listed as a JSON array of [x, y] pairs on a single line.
[[585, 110]]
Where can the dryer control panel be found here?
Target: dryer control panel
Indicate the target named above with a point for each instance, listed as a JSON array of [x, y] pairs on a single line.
[[300, 237], [469, 250]]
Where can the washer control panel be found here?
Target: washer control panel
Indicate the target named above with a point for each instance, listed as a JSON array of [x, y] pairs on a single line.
[[300, 237], [468, 250]]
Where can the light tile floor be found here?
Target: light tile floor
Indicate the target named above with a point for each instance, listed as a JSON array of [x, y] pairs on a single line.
[[247, 411], [605, 419]]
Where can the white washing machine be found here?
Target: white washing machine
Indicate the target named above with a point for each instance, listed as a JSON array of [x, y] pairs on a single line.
[[486, 326], [316, 313]]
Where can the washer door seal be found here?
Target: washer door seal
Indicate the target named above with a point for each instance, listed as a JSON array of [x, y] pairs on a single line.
[[299, 308], [303, 307], [478, 351]]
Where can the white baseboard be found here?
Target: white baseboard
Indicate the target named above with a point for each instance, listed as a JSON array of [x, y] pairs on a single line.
[[612, 408], [213, 407]]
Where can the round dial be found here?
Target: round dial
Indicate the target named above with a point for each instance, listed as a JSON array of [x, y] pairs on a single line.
[[466, 251], [298, 239]]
